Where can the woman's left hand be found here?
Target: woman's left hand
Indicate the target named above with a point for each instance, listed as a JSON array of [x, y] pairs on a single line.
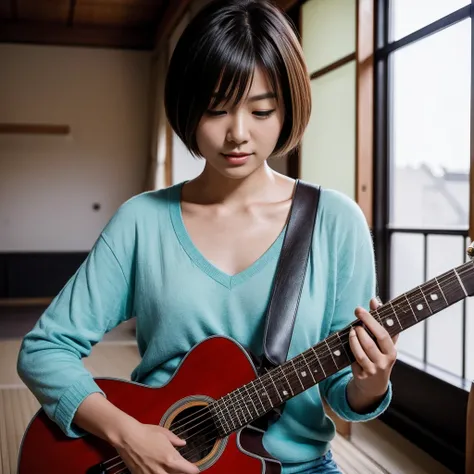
[[374, 361]]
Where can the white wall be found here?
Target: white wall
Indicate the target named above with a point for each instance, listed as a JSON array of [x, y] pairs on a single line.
[[48, 184]]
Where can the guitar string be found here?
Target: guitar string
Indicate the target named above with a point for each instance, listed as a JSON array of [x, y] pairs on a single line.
[[239, 405], [313, 357], [301, 363], [325, 353]]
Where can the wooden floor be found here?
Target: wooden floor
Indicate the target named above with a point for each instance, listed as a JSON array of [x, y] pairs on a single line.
[[111, 359]]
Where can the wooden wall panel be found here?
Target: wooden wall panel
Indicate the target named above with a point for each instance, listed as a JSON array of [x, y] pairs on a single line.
[[365, 107]]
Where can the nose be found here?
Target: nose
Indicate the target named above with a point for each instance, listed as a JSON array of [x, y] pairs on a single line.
[[238, 131]]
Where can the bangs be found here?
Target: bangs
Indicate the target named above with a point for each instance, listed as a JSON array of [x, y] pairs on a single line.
[[231, 75]]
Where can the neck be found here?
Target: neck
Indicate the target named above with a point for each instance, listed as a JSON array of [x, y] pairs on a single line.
[[211, 187]]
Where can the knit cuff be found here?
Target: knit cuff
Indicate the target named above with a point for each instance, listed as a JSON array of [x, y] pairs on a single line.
[[344, 410], [69, 403]]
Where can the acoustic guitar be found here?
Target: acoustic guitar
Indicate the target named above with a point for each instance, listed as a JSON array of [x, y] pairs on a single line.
[[215, 395]]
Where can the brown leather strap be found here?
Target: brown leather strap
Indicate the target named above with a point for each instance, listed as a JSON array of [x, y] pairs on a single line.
[[290, 275]]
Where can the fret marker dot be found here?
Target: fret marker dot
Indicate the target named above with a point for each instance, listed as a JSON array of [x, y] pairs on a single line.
[[337, 353], [419, 307], [390, 322], [434, 296], [303, 374], [285, 393]]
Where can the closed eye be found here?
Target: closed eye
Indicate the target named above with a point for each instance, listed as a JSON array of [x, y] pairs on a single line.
[[215, 113], [264, 113]]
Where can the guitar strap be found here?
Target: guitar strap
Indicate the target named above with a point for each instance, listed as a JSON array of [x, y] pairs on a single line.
[[289, 278]]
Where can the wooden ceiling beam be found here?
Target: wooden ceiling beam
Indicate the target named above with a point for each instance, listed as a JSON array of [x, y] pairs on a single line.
[[51, 34], [14, 9], [174, 11], [72, 10], [287, 4]]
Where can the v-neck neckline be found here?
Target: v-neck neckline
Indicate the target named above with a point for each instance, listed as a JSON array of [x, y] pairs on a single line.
[[201, 261]]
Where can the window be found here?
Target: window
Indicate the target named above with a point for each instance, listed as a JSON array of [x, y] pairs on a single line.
[[431, 130], [407, 16], [423, 158]]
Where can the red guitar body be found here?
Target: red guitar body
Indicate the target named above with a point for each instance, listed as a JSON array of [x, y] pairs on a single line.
[[212, 369]]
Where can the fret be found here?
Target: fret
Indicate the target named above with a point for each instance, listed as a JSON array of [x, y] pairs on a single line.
[[326, 358], [434, 299], [424, 297], [330, 352], [340, 359], [251, 400], [213, 408], [396, 316], [298, 375], [442, 292], [418, 306], [349, 358], [257, 392], [245, 405], [411, 309], [240, 406], [290, 388], [227, 418], [241, 417], [387, 322], [309, 368], [451, 285], [466, 274], [271, 390], [375, 313], [319, 362], [461, 283], [237, 405], [276, 388]]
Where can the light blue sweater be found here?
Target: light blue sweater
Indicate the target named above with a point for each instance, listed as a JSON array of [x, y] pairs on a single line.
[[145, 265]]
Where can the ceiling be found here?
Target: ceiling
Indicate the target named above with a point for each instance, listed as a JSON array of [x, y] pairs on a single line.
[[127, 24], [106, 23]]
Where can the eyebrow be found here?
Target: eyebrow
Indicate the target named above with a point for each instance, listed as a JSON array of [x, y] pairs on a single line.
[[266, 95], [256, 98]]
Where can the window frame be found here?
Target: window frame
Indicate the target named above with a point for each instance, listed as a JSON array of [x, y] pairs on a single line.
[[413, 409]]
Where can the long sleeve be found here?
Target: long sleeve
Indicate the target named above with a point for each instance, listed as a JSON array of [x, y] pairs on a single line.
[[96, 299], [356, 285]]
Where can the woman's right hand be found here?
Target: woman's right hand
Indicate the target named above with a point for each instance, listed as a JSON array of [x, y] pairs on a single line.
[[150, 449]]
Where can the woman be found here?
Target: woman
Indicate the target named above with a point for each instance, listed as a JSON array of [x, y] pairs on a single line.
[[198, 258]]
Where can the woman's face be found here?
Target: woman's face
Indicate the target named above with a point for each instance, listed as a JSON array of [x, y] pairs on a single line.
[[238, 140]]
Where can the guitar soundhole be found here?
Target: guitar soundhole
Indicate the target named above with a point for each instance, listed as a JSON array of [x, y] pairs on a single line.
[[195, 425]]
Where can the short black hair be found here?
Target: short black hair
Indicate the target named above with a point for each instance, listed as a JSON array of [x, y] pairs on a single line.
[[218, 53]]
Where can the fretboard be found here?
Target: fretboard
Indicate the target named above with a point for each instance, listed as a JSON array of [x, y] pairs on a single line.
[[253, 400]]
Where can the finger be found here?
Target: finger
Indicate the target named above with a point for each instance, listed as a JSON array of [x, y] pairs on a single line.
[[384, 340], [182, 466], [369, 346], [395, 338], [375, 303], [360, 356], [357, 370], [174, 440]]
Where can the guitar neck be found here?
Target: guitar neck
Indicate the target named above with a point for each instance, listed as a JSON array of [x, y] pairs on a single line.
[[253, 400]]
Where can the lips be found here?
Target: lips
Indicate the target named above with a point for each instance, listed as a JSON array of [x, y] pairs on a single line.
[[236, 155], [236, 159]]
